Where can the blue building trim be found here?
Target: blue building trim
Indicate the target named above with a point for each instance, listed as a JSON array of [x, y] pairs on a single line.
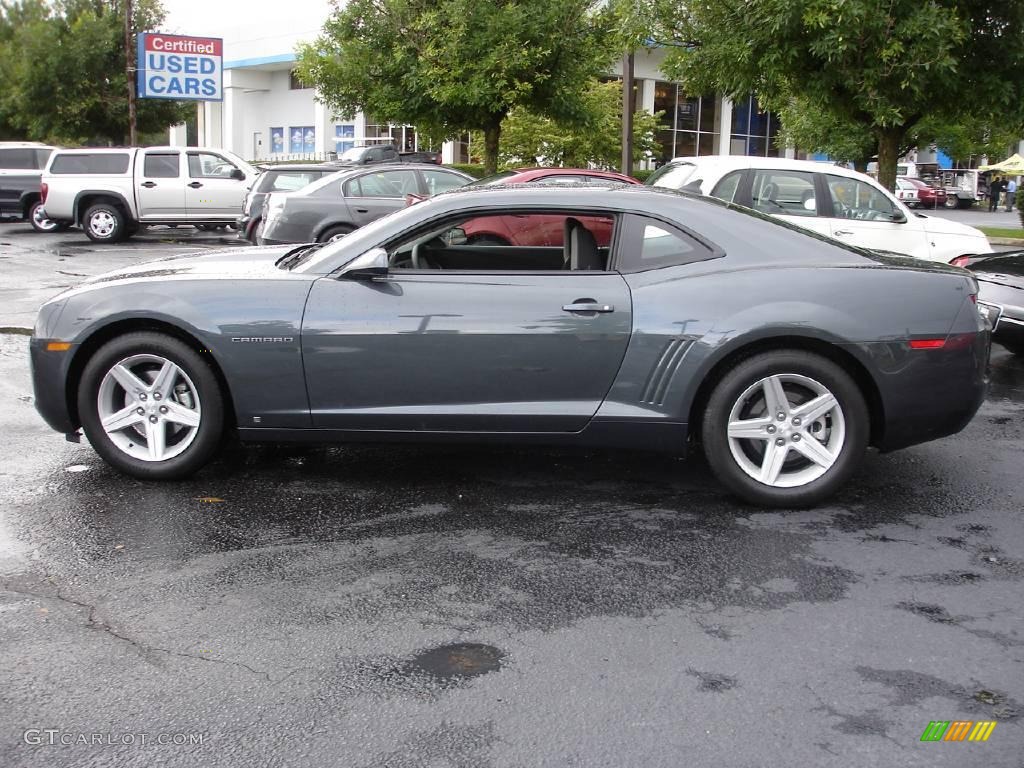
[[281, 58]]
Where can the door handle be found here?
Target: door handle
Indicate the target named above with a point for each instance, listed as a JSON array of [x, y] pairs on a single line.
[[362, 210], [842, 232], [148, 184], [195, 184], [587, 306]]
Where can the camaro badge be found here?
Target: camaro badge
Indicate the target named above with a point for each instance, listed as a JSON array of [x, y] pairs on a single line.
[[262, 339]]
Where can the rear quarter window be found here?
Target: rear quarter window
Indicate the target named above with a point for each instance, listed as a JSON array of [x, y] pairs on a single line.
[[85, 163]]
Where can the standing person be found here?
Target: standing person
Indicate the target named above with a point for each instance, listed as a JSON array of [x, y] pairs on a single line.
[[995, 187], [1011, 194]]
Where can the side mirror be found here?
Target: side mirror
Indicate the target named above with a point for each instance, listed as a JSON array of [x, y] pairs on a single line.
[[237, 174], [898, 217], [373, 263]]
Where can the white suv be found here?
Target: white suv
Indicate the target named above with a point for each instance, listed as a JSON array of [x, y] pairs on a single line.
[[825, 198]]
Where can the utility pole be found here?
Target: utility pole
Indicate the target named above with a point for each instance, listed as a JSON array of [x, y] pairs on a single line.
[[627, 114], [129, 71]]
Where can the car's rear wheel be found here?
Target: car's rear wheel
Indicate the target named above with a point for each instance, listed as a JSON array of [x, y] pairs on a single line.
[[952, 201], [334, 233], [40, 222], [151, 406], [785, 428], [104, 223]]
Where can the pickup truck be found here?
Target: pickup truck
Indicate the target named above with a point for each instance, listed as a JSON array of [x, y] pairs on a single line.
[[21, 166], [112, 192], [384, 153]]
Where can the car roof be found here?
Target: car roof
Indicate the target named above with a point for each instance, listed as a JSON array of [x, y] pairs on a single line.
[[537, 173], [302, 167], [25, 145], [731, 162]]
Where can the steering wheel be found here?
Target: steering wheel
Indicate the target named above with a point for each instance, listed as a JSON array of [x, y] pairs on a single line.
[[421, 262]]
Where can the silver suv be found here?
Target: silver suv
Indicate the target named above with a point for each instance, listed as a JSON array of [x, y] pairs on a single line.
[[21, 166]]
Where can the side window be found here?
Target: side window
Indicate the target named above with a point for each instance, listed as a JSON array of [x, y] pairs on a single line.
[[650, 244], [161, 166], [388, 153], [206, 165], [508, 241], [385, 184], [854, 199], [374, 155], [439, 181], [787, 193], [84, 162], [18, 159], [728, 186]]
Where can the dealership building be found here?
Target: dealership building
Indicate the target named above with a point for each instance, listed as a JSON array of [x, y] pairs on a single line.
[[267, 114]]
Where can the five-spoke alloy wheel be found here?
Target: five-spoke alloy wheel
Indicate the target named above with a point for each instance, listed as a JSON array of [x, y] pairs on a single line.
[[785, 428], [151, 406]]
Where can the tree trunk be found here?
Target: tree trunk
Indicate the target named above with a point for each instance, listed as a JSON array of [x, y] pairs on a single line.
[[492, 135], [889, 140]]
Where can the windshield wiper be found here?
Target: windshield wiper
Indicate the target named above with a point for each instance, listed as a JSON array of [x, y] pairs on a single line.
[[295, 257]]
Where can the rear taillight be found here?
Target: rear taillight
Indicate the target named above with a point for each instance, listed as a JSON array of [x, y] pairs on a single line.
[[44, 188], [961, 261]]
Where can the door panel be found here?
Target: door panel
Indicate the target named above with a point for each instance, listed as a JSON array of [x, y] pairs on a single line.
[[429, 350], [379, 193], [161, 186], [863, 217], [210, 192]]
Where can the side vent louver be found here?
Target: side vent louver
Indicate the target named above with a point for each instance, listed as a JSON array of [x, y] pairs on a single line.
[[661, 375]]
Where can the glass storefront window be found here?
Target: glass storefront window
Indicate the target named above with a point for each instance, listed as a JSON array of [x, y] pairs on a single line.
[[689, 123], [753, 130]]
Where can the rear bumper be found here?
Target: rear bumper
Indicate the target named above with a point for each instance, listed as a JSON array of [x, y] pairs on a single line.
[[933, 393], [49, 379]]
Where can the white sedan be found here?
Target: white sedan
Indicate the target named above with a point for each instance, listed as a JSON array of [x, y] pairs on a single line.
[[825, 198]]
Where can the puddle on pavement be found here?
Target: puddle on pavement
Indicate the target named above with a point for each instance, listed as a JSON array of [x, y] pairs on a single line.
[[457, 661]]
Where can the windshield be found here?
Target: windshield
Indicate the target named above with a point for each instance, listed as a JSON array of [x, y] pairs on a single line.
[[672, 176], [495, 179]]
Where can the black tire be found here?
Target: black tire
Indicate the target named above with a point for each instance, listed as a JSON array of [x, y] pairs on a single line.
[[211, 423], [731, 387], [332, 233], [104, 223]]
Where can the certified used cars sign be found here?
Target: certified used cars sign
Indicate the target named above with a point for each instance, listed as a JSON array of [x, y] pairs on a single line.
[[179, 67]]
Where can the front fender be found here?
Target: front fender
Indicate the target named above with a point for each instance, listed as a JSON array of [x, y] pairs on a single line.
[[252, 336]]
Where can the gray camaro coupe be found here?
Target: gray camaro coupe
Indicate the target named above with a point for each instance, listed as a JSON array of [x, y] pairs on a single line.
[[782, 353]]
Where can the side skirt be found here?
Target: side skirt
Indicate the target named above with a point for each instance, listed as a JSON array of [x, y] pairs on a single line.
[[667, 437]]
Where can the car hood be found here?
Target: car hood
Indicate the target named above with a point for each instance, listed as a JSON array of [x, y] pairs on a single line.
[[228, 263], [935, 225]]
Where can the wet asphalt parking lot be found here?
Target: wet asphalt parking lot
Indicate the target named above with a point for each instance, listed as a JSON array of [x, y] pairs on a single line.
[[425, 606]]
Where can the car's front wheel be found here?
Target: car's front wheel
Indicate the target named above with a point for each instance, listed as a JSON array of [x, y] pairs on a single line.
[[785, 428], [151, 406]]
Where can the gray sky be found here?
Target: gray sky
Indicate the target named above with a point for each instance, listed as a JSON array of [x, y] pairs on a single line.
[[249, 21]]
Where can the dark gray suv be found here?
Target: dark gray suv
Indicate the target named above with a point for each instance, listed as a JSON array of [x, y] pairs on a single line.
[[21, 166], [342, 202]]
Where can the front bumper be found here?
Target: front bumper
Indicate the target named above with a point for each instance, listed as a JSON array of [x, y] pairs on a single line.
[[49, 383]]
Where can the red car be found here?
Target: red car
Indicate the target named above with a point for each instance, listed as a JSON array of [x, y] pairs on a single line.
[[920, 194], [540, 230]]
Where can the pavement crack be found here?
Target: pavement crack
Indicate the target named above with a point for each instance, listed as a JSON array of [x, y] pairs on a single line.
[[93, 622]]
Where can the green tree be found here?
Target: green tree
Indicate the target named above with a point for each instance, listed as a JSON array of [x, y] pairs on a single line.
[[450, 66], [532, 139], [884, 66], [63, 66]]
